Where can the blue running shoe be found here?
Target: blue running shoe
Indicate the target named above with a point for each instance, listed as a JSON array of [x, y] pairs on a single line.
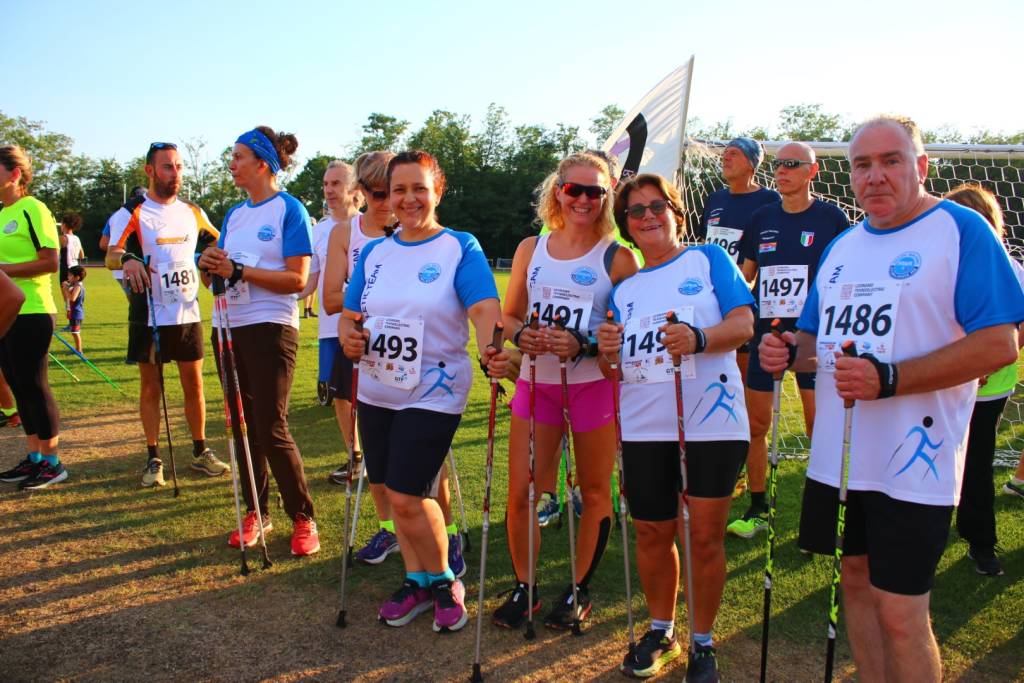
[[380, 546], [455, 560], [547, 509]]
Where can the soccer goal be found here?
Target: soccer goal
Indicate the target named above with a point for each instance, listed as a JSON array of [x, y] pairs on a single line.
[[999, 168], [503, 264]]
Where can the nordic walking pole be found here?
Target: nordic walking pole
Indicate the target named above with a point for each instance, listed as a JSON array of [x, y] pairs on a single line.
[[684, 498], [158, 359], [773, 473], [458, 497], [567, 456], [218, 297], [497, 341], [242, 427], [88, 362], [849, 349], [532, 491], [63, 367], [356, 461], [346, 537], [614, 365]]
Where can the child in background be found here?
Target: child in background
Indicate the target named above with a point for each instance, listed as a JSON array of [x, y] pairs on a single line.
[[74, 297]]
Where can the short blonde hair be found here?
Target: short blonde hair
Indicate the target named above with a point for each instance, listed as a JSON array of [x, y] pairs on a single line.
[[12, 157], [974, 196], [549, 211], [371, 168]]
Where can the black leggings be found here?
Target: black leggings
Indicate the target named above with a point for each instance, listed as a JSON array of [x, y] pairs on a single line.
[[24, 360], [976, 515]]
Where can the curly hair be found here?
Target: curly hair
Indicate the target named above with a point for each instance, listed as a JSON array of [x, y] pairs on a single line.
[[549, 211]]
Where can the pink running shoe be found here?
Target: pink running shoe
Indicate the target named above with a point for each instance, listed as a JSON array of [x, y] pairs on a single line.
[[449, 606], [405, 604]]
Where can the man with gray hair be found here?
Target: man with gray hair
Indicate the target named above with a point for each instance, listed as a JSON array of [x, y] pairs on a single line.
[[927, 294]]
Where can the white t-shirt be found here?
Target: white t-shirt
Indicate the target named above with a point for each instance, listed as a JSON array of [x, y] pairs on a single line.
[[327, 325], [74, 248]]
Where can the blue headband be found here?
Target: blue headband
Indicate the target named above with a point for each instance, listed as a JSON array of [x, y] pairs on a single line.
[[751, 149], [262, 147]]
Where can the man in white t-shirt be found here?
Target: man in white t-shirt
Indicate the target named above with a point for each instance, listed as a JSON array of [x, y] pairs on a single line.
[[927, 293]]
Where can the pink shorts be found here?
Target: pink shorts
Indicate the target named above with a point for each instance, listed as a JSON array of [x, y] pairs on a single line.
[[590, 404]]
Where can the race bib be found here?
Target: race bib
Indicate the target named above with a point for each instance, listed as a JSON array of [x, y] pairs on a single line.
[[783, 291], [644, 359], [238, 293], [571, 306], [395, 352], [726, 238], [861, 311], [178, 282]]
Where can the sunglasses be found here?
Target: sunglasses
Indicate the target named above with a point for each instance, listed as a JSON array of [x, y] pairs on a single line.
[[575, 190], [638, 211], [789, 163], [378, 195], [156, 146]]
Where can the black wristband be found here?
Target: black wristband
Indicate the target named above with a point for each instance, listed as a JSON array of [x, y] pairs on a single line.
[[128, 256], [701, 342], [236, 273], [792, 354], [519, 332], [592, 350], [888, 376], [581, 340]]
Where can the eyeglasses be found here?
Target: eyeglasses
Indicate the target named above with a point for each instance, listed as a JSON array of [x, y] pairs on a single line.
[[378, 195], [638, 211], [592, 191], [156, 146], [789, 163]]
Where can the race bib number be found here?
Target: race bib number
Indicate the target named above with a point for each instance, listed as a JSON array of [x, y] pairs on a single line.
[[783, 291], [569, 305], [239, 292], [394, 352], [861, 311], [726, 238], [644, 359], [178, 282]]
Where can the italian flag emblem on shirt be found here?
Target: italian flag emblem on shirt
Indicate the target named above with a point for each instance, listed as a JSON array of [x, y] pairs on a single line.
[[806, 239]]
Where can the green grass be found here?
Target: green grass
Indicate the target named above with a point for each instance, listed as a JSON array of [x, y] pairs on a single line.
[[977, 620]]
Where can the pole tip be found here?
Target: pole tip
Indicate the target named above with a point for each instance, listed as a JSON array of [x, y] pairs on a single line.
[[477, 675], [341, 623], [530, 633]]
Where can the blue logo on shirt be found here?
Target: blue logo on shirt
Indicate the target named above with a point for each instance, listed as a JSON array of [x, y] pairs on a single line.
[[10, 228], [584, 276], [691, 286], [429, 273], [905, 265], [266, 233], [920, 450]]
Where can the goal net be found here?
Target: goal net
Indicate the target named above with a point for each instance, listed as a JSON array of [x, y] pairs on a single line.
[[999, 168]]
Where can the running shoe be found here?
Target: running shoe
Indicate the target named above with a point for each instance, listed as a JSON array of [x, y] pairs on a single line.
[[405, 604], [654, 651], [449, 606], [44, 475], [23, 470], [6, 417], [547, 509], [324, 395], [985, 561], [305, 540], [577, 501], [561, 617], [340, 475], [513, 613], [455, 560], [750, 524], [1009, 488], [207, 463], [153, 473], [14, 420], [741, 485], [380, 546], [703, 665], [251, 530]]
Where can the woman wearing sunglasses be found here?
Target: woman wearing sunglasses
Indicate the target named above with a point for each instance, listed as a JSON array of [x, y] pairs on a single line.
[[564, 276], [708, 294], [263, 253]]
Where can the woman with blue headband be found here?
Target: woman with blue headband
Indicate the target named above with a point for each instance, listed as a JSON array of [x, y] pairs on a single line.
[[263, 254]]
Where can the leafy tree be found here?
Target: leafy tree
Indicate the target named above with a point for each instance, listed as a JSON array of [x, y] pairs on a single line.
[[45, 148], [602, 125], [493, 144], [308, 185], [381, 132], [809, 122]]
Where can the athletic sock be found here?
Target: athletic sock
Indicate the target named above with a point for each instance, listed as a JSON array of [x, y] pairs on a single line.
[[757, 500], [704, 639], [198, 446], [452, 529], [421, 578], [35, 457], [152, 452], [388, 525], [446, 575], [9, 411], [665, 625], [52, 459]]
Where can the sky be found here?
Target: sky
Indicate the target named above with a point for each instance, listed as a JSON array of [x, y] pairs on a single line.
[[116, 76]]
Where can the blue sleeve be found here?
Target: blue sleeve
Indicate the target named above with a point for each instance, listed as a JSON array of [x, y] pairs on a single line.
[[356, 283], [474, 280], [986, 292], [296, 232], [224, 225], [611, 302], [106, 229], [730, 287]]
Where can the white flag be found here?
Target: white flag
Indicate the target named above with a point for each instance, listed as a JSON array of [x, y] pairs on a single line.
[[649, 138]]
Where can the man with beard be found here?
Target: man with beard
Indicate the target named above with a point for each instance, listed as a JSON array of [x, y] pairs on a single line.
[[154, 239]]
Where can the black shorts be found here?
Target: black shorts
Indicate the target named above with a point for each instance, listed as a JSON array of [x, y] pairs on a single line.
[[903, 541], [341, 377], [759, 380], [652, 474], [404, 449], [177, 343]]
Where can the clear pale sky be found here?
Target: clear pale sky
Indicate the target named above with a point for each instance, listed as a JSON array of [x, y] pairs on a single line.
[[118, 75]]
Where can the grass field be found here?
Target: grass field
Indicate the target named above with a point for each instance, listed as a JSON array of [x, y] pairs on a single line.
[[102, 580]]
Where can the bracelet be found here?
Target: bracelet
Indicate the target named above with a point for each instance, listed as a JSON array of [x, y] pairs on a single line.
[[701, 342], [236, 273], [128, 256], [888, 376], [519, 332]]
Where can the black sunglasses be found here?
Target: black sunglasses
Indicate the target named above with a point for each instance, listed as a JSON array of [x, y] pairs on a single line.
[[638, 211], [379, 195], [789, 163], [592, 191], [155, 146]]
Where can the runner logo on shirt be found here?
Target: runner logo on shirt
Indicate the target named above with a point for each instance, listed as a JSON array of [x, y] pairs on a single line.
[[923, 442], [266, 233], [10, 228], [806, 239], [905, 265], [429, 272], [691, 286], [584, 276]]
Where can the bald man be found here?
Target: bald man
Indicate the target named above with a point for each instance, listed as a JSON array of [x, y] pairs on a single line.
[[779, 252]]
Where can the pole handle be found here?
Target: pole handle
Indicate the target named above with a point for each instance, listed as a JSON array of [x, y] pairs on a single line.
[[672, 319], [849, 348]]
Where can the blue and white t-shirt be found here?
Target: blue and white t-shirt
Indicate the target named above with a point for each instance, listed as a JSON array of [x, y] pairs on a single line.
[[262, 236], [707, 281], [427, 286], [327, 325], [903, 293]]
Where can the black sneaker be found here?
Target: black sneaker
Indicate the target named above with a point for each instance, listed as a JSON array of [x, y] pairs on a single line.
[[561, 617], [340, 475], [513, 613], [324, 395], [23, 470], [985, 561], [652, 652], [45, 475], [703, 666]]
